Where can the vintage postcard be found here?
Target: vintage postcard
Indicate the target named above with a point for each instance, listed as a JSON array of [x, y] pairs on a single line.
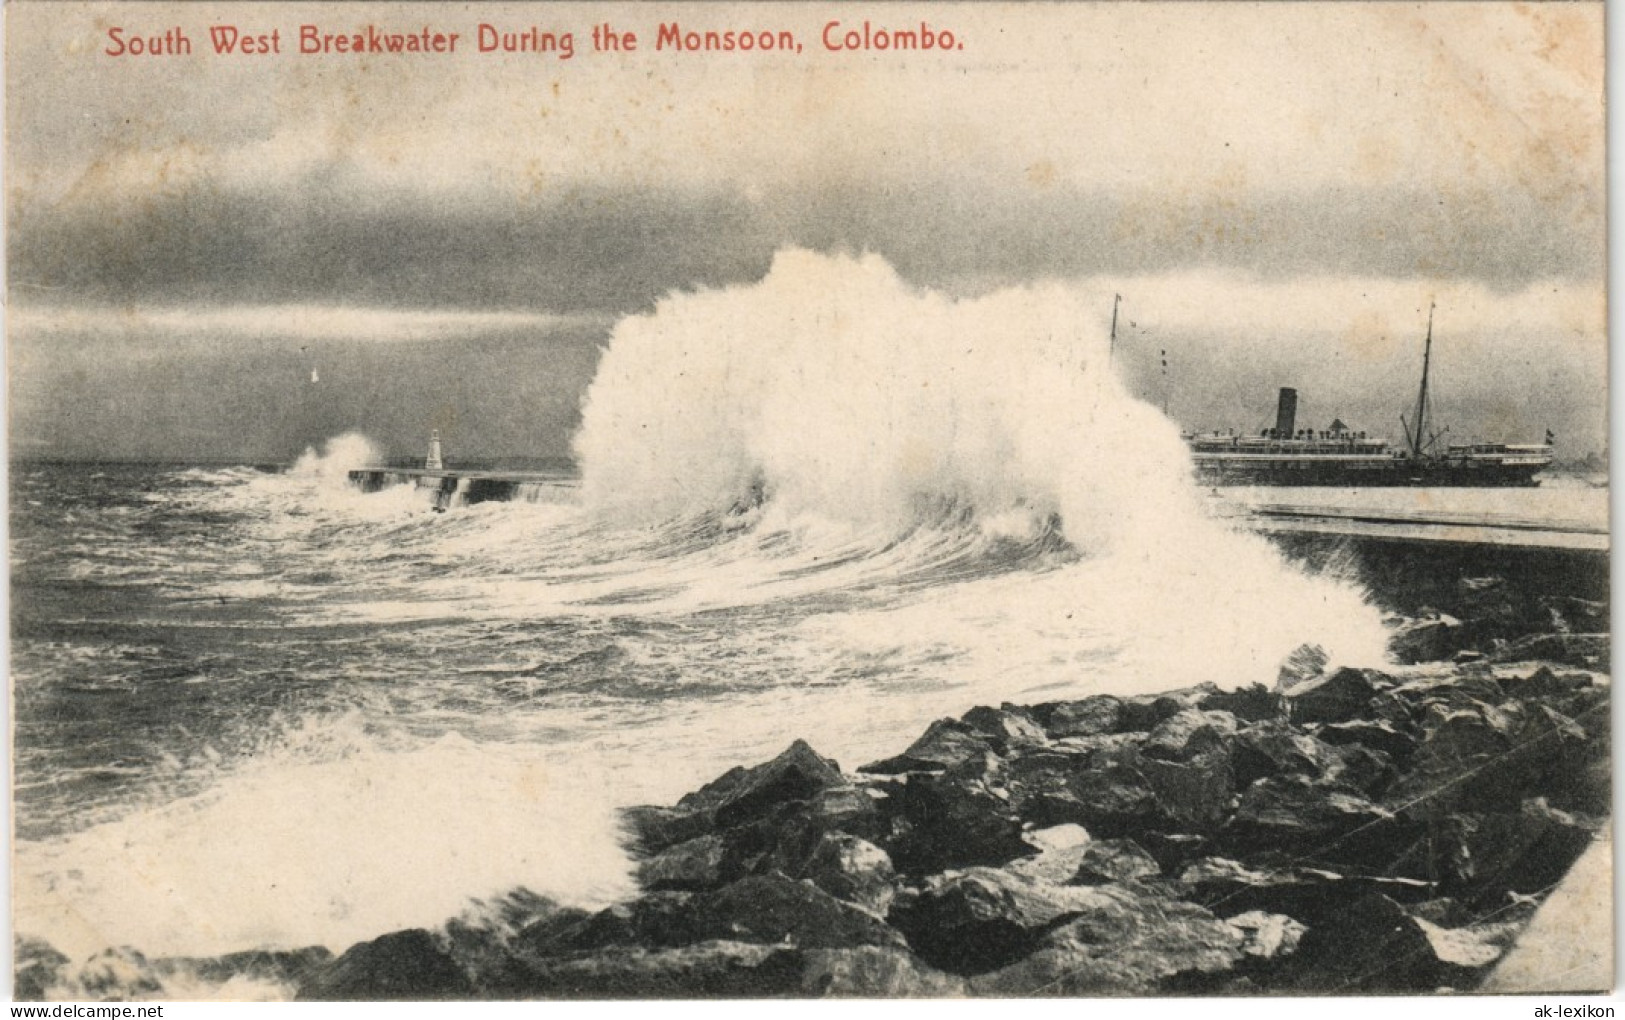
[[726, 501]]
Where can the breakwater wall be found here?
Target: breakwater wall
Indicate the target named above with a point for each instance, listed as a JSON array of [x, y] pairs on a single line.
[[446, 488], [1430, 527]]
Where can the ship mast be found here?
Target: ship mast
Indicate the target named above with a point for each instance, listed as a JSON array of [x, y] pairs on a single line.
[[1417, 444], [1165, 383], [1111, 350]]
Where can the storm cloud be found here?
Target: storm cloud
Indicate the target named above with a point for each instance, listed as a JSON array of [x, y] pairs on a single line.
[[1376, 154], [597, 249]]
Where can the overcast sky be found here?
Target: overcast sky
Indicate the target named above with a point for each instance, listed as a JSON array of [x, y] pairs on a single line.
[[1277, 190]]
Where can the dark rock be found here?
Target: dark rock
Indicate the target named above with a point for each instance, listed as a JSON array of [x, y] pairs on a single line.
[[1124, 942], [1188, 733], [1543, 683], [781, 845], [1191, 795], [757, 908], [1574, 771], [404, 965], [797, 774], [697, 864], [484, 953], [851, 809], [979, 919], [653, 919], [1588, 706], [1108, 800], [751, 801], [1248, 704], [1458, 746], [736, 970], [1587, 651], [784, 840], [1273, 748], [1494, 608], [117, 974], [1379, 735], [1429, 640], [552, 933], [1146, 711], [1267, 936], [873, 972], [650, 829], [1237, 984], [1570, 615], [1305, 663], [945, 744], [853, 870], [1336, 698], [1592, 791], [1173, 850], [1482, 757], [1446, 911], [1461, 688], [1089, 717], [714, 969], [1479, 857], [37, 968], [1141, 714], [1006, 727], [956, 818], [1546, 721], [1114, 860], [1375, 946], [288, 967], [798, 770], [1315, 820], [772, 909], [1360, 768], [1088, 752], [1333, 803], [1230, 887], [1389, 709]]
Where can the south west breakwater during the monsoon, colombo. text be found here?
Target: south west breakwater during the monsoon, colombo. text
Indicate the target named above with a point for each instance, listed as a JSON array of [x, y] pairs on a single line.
[[232, 40]]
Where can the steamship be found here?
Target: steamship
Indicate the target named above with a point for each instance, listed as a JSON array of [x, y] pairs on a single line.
[[1337, 455]]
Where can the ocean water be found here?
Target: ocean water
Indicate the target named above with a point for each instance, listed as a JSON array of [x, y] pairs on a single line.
[[259, 709]]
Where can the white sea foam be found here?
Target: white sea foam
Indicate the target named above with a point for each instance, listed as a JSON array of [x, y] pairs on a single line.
[[842, 394], [337, 458], [328, 837], [827, 505]]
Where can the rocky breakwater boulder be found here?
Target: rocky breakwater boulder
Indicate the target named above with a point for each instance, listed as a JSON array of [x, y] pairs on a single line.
[[125, 974], [1498, 618], [1348, 830]]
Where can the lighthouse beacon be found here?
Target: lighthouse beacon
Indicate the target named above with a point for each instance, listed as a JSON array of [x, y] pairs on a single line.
[[433, 461]]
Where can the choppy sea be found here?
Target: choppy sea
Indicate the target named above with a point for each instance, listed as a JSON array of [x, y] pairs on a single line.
[[260, 709]]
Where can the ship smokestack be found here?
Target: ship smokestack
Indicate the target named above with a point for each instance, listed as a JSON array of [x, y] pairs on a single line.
[[1286, 413], [433, 462]]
